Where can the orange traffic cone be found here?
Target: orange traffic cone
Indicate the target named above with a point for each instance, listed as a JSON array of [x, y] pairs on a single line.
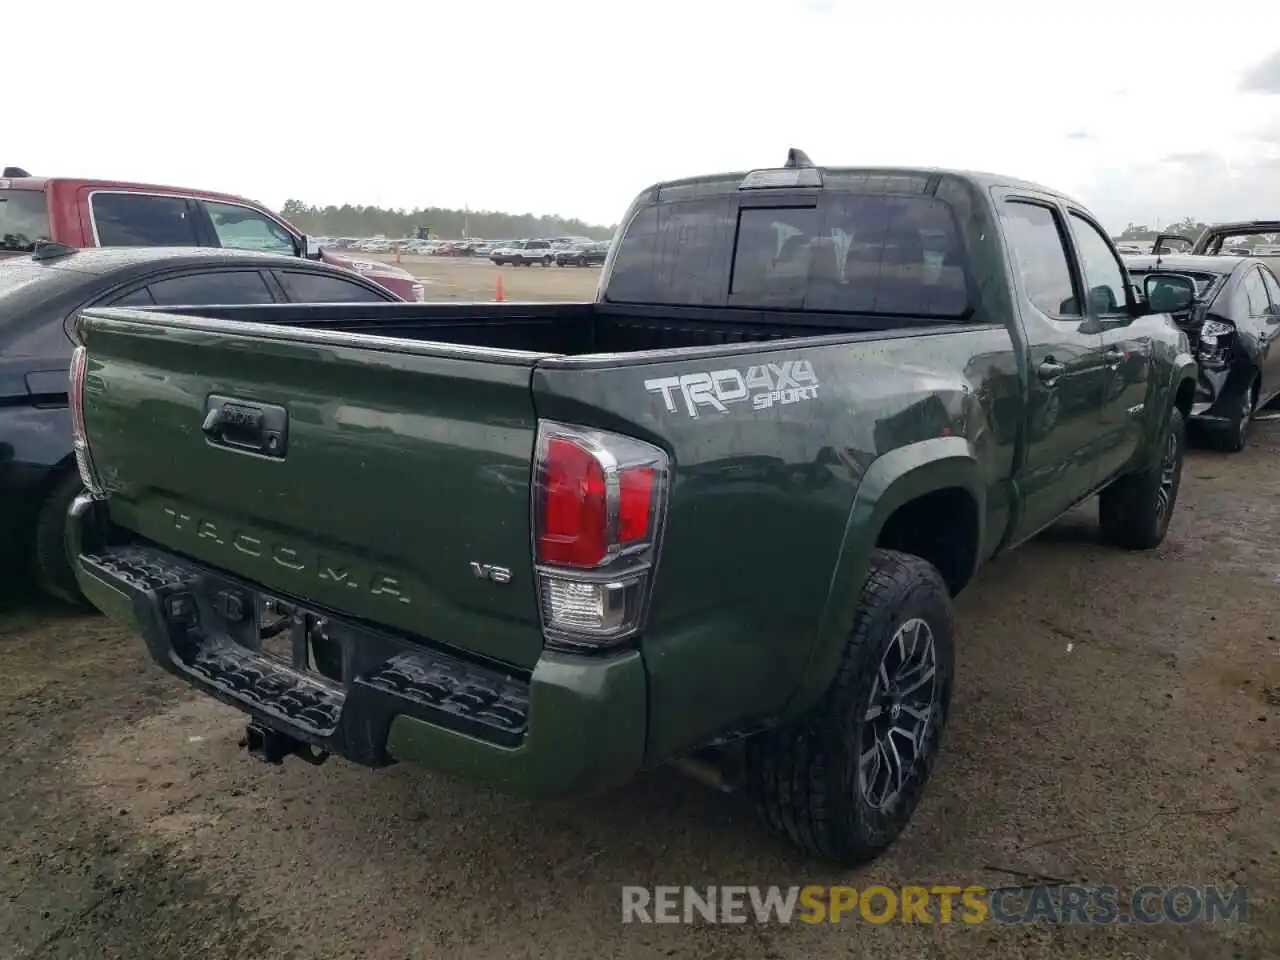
[[498, 293]]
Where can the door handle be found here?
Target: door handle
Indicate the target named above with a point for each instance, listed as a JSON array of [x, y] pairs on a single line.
[[245, 425], [1050, 370], [1115, 356]]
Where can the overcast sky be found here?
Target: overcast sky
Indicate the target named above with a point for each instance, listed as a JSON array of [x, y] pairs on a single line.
[[1146, 111]]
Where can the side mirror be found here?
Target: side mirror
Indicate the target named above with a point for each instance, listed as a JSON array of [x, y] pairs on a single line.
[[310, 248], [1168, 292]]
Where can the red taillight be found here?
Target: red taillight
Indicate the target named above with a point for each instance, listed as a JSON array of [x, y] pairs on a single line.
[[635, 502], [599, 502], [575, 509]]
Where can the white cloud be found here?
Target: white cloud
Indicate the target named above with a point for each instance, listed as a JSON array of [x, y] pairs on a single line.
[[571, 107]]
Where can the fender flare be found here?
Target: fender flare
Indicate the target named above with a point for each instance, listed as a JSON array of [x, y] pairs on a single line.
[[1182, 370], [897, 478]]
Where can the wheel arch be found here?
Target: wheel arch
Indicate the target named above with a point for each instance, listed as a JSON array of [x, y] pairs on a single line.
[[937, 480]]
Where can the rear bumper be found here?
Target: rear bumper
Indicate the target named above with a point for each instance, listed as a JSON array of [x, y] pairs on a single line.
[[1217, 396], [574, 725]]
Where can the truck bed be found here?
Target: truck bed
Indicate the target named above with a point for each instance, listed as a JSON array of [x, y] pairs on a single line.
[[566, 329]]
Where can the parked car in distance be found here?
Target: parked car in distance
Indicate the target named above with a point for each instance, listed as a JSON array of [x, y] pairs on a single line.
[[723, 507], [583, 255], [1244, 238], [113, 213], [38, 296], [524, 253], [1234, 329]]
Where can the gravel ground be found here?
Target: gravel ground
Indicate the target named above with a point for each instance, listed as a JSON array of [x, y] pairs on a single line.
[[1116, 720]]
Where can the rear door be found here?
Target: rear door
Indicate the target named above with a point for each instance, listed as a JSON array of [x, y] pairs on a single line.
[[399, 465], [1064, 352], [121, 218], [1268, 333], [1126, 356]]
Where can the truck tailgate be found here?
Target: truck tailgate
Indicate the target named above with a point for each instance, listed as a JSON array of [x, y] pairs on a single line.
[[397, 468]]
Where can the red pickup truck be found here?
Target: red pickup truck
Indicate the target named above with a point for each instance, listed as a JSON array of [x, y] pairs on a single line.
[[111, 213]]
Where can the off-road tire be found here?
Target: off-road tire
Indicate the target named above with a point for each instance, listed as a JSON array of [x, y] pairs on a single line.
[[546, 262], [804, 777], [50, 563], [1129, 510], [1234, 436]]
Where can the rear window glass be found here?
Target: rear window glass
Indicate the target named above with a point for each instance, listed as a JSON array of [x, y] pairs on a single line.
[[142, 220], [24, 219], [849, 253]]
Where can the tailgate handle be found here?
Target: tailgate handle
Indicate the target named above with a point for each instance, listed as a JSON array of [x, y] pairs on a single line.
[[246, 425]]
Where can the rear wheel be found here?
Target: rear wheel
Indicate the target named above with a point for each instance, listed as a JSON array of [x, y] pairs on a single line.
[[1134, 511], [843, 781], [50, 562], [546, 261]]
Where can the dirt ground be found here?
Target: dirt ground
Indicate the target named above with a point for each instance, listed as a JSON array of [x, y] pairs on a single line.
[[460, 278], [1116, 721]]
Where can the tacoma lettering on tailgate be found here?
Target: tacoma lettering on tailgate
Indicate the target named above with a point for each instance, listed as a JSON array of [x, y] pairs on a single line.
[[765, 385], [282, 554]]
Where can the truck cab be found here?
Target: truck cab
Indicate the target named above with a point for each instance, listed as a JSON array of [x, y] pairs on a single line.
[[112, 213]]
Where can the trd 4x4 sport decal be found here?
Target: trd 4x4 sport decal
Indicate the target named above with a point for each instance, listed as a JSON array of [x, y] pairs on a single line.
[[766, 385]]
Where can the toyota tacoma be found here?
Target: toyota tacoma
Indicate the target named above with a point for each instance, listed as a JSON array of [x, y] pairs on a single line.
[[719, 512]]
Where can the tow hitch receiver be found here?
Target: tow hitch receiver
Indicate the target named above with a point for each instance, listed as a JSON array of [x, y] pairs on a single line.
[[272, 746]]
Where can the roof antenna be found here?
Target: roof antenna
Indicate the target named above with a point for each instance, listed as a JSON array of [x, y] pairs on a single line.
[[798, 158]]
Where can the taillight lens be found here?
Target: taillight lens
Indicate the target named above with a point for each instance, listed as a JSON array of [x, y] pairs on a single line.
[[79, 439], [599, 504]]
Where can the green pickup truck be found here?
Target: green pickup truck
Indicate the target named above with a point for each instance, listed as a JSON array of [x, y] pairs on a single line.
[[719, 512]]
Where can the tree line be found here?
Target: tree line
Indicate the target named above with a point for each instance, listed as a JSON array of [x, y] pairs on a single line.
[[1188, 227], [438, 222]]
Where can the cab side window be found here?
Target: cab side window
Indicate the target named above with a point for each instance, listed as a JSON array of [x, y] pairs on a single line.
[[142, 220], [1273, 291], [1103, 275], [1255, 293], [242, 228], [223, 288], [137, 298], [303, 287], [1036, 240]]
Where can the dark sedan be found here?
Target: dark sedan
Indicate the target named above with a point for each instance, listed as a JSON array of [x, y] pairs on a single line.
[[586, 255], [39, 294], [1234, 329]]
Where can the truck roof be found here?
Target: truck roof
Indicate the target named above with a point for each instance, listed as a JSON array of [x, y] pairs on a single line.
[[911, 179], [40, 183]]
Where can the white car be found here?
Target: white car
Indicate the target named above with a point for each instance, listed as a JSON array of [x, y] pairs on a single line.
[[524, 253]]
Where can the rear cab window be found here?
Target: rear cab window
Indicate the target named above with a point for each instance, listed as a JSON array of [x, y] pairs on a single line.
[[834, 252], [24, 220]]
